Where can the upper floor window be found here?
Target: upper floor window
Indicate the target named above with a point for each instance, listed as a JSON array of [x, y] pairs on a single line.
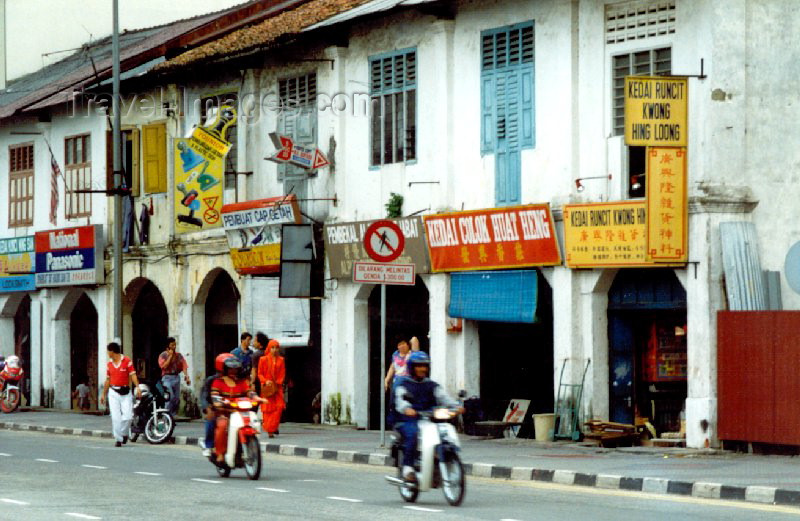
[[78, 175], [297, 119], [393, 95], [655, 62], [20, 185], [209, 107]]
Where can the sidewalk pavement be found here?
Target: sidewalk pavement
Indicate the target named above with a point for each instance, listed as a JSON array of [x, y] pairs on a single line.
[[690, 472]]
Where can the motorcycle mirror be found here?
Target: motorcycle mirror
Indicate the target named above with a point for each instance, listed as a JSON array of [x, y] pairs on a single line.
[[462, 393]]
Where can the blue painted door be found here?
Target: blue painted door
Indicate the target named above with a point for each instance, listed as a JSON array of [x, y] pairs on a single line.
[[621, 369]]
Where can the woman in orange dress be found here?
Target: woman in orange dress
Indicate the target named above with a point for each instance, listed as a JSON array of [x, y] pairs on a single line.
[[271, 374]]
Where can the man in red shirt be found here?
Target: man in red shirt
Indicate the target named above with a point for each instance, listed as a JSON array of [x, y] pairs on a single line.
[[172, 365], [121, 375]]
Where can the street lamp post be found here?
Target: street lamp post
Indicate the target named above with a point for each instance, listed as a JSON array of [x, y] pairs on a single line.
[[116, 137]]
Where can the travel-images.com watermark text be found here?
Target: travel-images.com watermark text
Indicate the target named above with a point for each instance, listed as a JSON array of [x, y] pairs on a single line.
[[250, 107]]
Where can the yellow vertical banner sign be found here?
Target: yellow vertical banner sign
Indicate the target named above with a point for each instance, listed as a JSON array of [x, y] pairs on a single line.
[[667, 205], [199, 175]]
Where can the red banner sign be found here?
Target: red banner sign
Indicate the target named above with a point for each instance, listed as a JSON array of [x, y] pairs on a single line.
[[495, 238]]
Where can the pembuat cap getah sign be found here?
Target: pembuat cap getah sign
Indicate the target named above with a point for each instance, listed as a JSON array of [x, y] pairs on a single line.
[[69, 256]]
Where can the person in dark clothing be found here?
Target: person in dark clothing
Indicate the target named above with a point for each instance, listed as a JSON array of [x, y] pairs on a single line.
[[413, 394]]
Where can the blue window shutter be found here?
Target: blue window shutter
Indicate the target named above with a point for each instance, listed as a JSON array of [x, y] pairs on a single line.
[[487, 114], [527, 121]]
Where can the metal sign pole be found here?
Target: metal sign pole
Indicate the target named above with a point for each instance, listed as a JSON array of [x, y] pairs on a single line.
[[117, 165], [383, 365]]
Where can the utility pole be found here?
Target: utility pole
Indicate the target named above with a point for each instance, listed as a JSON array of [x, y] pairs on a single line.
[[117, 137]]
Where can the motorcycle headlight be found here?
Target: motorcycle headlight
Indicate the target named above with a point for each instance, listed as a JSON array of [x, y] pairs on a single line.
[[442, 414]]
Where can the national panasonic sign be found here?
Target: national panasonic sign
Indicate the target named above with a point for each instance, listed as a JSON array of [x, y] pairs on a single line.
[[69, 257]]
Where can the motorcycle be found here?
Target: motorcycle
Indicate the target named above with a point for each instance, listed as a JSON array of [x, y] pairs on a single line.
[[438, 463], [10, 378], [243, 449], [151, 416]]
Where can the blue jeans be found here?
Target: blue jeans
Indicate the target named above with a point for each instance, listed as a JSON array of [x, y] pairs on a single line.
[[408, 430], [210, 426], [172, 383]]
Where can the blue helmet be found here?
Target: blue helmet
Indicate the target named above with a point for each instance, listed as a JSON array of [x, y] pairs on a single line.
[[418, 358]]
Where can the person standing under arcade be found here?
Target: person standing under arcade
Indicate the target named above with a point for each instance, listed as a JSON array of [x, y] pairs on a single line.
[[271, 374], [121, 375]]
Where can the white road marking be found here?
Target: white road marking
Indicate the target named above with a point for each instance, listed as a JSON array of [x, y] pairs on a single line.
[[45, 460], [308, 480], [13, 501], [509, 519], [272, 489], [201, 480], [348, 499], [423, 509], [148, 473], [4, 454], [94, 467], [82, 516]]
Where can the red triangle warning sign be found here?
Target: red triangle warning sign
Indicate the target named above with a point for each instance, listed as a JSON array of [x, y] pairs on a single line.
[[319, 160]]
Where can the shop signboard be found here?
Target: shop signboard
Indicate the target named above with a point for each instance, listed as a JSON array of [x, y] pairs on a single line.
[[344, 245], [495, 238], [287, 151], [253, 229], [380, 273], [199, 174], [667, 205], [605, 235], [17, 264], [69, 256], [655, 111]]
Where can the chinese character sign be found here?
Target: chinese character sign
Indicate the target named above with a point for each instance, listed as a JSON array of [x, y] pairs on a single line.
[[605, 234], [496, 238], [199, 175], [667, 205], [655, 110]]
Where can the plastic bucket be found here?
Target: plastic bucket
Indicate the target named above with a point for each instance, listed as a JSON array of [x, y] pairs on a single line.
[[542, 425]]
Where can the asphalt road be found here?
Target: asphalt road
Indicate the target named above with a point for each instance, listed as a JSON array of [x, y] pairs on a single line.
[[51, 477]]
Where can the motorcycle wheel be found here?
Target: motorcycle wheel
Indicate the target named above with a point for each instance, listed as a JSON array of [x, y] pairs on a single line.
[[252, 458], [408, 492], [10, 400], [454, 483], [159, 428]]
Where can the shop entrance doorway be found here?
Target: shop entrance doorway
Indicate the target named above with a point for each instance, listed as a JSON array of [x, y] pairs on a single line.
[[406, 315], [83, 344], [647, 348], [22, 343], [150, 326], [221, 316]]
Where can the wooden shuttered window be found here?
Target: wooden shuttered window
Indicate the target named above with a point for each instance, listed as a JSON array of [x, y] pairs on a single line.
[[154, 157], [78, 175], [393, 95], [20, 185], [130, 159]]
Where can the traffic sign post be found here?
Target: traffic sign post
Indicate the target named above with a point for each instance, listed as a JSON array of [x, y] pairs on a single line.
[[384, 242]]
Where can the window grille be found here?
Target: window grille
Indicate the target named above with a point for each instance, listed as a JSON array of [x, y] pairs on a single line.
[[639, 19], [298, 118], [654, 62], [20, 185], [393, 94]]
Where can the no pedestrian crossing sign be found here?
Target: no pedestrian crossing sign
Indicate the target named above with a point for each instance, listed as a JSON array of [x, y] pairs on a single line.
[[384, 241]]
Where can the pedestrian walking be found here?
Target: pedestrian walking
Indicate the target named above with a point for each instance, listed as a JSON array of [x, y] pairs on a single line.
[[397, 370], [259, 349], [121, 375], [272, 373], [244, 353], [81, 393], [172, 364]]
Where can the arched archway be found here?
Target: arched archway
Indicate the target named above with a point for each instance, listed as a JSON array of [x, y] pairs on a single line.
[[150, 324], [407, 314], [83, 343], [221, 308], [647, 347]]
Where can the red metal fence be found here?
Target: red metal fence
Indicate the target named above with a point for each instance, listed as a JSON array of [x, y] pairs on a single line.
[[758, 376]]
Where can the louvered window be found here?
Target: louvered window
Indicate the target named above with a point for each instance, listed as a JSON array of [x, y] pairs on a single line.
[[639, 19], [507, 81], [298, 117], [393, 94], [655, 62], [78, 174], [20, 185]]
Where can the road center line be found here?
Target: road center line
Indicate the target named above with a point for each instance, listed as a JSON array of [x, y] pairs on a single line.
[[348, 499], [148, 473], [13, 501], [308, 480], [272, 489], [201, 480], [45, 460], [82, 516], [4, 454], [423, 509], [94, 467]]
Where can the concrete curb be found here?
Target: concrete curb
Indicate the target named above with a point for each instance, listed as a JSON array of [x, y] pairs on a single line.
[[699, 489]]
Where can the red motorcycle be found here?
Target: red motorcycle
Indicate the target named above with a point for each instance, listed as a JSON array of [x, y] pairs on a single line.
[[10, 378]]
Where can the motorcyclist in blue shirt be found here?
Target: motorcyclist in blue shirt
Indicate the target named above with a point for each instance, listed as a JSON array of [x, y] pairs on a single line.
[[416, 393]]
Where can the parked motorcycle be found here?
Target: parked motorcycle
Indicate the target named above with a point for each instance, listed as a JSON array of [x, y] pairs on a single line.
[[151, 416], [438, 462], [10, 378], [243, 449]]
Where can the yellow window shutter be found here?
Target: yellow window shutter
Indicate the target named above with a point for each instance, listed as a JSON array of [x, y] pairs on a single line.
[[154, 156]]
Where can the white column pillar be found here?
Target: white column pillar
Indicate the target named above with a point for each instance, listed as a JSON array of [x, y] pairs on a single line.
[[36, 347]]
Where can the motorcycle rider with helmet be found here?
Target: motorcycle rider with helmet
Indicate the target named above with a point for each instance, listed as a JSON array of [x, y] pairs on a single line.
[[205, 405], [229, 384], [415, 393]]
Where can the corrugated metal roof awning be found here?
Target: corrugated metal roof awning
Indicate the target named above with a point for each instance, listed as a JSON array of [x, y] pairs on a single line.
[[363, 10]]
